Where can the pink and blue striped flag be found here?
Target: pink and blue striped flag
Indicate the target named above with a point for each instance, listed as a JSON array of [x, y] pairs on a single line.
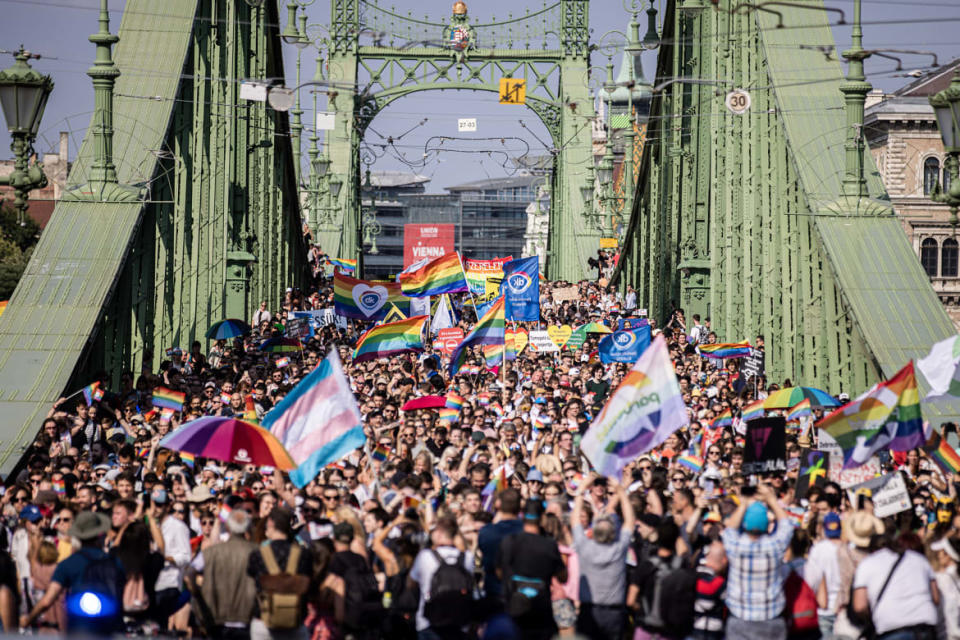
[[318, 422]]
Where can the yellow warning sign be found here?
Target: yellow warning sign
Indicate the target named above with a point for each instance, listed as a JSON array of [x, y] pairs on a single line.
[[608, 243], [513, 91]]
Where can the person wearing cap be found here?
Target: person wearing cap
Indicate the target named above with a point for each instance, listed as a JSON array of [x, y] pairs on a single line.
[[947, 557], [823, 568], [526, 563], [70, 575], [534, 484], [755, 594]]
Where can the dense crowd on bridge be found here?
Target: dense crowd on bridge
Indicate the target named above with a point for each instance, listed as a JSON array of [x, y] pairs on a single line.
[[487, 523]]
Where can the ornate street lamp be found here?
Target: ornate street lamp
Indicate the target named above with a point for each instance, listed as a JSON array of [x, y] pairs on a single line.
[[946, 107], [23, 96]]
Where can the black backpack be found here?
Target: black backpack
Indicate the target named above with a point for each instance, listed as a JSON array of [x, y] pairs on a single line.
[[669, 609], [363, 604], [451, 594], [104, 578]]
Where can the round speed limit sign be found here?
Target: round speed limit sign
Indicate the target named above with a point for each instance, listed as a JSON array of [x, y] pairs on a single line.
[[738, 101]]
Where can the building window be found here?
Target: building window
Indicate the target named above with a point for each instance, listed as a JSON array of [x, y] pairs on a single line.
[[931, 174], [948, 258], [945, 183], [928, 256]]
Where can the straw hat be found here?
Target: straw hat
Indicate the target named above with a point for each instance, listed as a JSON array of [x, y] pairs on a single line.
[[861, 527], [89, 525]]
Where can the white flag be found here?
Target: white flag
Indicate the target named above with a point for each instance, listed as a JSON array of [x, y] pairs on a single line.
[[443, 318], [644, 410], [941, 368]]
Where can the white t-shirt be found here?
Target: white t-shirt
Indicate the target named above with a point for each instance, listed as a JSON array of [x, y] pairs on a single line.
[[822, 565], [907, 601], [422, 572]]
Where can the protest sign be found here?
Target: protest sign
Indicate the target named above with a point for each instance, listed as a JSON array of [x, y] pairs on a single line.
[[813, 471], [624, 346], [624, 324], [449, 339], [845, 477], [540, 342], [753, 364], [566, 293], [889, 494], [477, 272], [299, 327], [765, 450], [560, 335]]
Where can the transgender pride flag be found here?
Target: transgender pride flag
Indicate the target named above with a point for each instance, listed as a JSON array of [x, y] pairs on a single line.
[[318, 422]]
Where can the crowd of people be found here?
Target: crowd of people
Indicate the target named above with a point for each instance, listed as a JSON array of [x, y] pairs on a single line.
[[489, 525]]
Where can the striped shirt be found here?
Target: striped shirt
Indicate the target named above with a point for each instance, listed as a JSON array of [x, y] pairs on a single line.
[[755, 579]]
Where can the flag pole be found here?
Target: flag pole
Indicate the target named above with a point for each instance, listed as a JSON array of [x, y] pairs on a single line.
[[463, 271]]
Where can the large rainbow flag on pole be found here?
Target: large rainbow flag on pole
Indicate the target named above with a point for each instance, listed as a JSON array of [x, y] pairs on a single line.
[[942, 453], [490, 329], [366, 299], [391, 338], [644, 410], [885, 417], [722, 351], [440, 275]]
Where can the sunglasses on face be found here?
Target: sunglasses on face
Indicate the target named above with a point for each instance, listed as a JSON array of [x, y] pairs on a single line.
[[207, 523], [334, 497], [179, 512]]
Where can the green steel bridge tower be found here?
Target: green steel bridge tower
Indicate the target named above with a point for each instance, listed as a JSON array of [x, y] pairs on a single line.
[[774, 221]]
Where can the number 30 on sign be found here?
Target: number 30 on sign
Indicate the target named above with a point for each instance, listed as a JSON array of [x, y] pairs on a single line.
[[738, 101]]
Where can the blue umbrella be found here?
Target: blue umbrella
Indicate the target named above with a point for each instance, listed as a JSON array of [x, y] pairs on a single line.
[[226, 329]]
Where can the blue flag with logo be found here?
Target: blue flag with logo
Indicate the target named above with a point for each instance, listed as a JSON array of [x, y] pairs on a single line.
[[624, 346], [521, 289]]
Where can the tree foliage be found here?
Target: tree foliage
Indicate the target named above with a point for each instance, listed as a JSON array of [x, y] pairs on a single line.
[[16, 245]]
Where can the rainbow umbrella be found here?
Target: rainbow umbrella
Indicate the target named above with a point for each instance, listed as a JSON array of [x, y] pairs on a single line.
[[226, 329], [792, 396], [229, 440], [280, 345], [594, 327]]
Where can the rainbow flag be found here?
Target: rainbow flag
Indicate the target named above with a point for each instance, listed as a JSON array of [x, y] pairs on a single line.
[[168, 399], [942, 454], [224, 513], [390, 339], [497, 408], [367, 299], [282, 362], [454, 401], [143, 452], [150, 416], [471, 370], [493, 356], [724, 419], [752, 410], [92, 393], [250, 410], [693, 463], [380, 453], [343, 264], [497, 483], [801, 410], [440, 275], [59, 487], [886, 416], [409, 502], [541, 422], [166, 415], [490, 329], [483, 398], [725, 350], [448, 415], [224, 398], [188, 459]]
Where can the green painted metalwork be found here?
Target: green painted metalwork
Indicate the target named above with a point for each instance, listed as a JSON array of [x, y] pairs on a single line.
[[113, 284], [422, 55], [757, 220]]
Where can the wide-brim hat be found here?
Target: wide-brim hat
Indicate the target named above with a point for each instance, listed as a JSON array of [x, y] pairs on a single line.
[[200, 493], [89, 525], [861, 527]]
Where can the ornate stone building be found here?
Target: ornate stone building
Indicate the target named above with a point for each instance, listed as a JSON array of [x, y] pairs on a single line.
[[902, 133]]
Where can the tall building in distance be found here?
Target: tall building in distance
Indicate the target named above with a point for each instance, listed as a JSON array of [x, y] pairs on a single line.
[[481, 219], [902, 133]]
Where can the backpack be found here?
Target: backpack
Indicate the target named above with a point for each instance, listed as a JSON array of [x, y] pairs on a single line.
[[801, 612], [669, 609], [282, 594], [103, 577], [363, 605], [451, 594]]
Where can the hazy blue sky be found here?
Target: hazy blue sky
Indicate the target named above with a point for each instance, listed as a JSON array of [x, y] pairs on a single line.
[[58, 29]]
